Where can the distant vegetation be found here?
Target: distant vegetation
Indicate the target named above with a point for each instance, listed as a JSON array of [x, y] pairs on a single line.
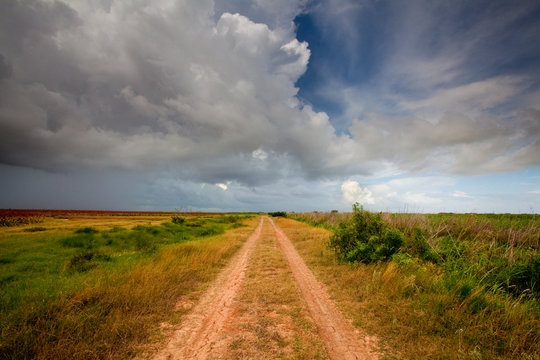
[[97, 290], [473, 274], [177, 219], [278, 214], [19, 220]]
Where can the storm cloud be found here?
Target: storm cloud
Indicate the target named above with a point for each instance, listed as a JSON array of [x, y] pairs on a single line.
[[209, 93], [142, 86]]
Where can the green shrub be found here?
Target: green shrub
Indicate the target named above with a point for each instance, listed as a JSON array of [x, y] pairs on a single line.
[[144, 241], [416, 245], [365, 238], [80, 241], [85, 261], [177, 219], [209, 231], [278, 213], [86, 230], [521, 277]]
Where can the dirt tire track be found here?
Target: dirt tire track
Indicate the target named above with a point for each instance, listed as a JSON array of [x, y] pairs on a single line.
[[341, 339], [202, 327]]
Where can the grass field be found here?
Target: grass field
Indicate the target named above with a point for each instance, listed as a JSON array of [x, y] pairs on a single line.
[[103, 285], [460, 287], [97, 285]]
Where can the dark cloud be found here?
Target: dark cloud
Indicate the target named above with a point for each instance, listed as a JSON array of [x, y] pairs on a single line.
[[5, 68], [154, 86], [208, 91]]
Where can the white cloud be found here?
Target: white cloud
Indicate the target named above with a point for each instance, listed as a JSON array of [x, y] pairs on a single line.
[[222, 186], [354, 193], [411, 193], [461, 194], [456, 144], [297, 49], [446, 107], [259, 154], [471, 98], [420, 199]]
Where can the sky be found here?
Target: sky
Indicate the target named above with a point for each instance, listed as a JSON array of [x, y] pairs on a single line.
[[265, 105]]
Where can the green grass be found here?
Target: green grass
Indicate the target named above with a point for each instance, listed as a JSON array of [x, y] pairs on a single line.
[[95, 291], [462, 285]]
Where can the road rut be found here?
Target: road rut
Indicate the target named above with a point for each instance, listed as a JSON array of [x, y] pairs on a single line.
[[201, 334], [202, 327], [339, 336]]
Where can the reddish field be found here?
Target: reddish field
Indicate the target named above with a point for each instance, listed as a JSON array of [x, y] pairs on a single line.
[[14, 217], [54, 213]]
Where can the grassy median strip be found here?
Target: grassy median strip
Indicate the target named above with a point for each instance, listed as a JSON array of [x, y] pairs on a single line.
[[98, 292], [421, 310], [272, 320]]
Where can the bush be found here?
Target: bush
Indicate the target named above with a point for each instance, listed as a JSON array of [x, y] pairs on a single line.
[[278, 213], [365, 238], [86, 230], [416, 245], [87, 241], [85, 261], [177, 219]]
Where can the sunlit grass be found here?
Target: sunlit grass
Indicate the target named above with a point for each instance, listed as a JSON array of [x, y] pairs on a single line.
[[443, 310], [98, 289]]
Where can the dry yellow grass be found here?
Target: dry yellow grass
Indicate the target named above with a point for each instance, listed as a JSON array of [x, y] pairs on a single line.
[[103, 222], [115, 311], [413, 318]]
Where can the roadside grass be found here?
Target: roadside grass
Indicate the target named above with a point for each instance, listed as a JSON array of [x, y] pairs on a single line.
[[98, 288], [273, 319], [326, 220], [436, 310]]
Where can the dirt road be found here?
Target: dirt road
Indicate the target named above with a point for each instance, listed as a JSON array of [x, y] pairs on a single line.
[[341, 339], [266, 304]]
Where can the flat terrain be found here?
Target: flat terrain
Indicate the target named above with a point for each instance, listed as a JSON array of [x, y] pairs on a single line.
[[98, 285], [267, 304]]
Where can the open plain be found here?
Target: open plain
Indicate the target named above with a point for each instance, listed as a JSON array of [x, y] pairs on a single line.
[[243, 286]]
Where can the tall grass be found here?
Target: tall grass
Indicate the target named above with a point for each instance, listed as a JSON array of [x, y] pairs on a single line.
[[463, 285], [101, 294], [328, 220]]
